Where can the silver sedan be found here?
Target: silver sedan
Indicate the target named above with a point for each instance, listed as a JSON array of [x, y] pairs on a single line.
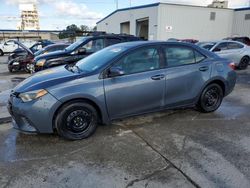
[[238, 52]]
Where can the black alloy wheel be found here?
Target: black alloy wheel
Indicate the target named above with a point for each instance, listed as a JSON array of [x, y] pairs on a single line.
[[211, 98], [244, 63], [77, 120]]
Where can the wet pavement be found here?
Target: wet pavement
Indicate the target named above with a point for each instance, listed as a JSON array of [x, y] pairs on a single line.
[[7, 82], [181, 148]]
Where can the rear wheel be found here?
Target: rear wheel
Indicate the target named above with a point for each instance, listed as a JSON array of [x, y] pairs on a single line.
[[76, 120], [210, 99], [244, 63]]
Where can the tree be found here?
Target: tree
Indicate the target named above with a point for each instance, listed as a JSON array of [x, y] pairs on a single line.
[[73, 31]]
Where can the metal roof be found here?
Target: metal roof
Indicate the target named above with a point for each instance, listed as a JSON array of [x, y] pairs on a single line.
[[154, 5], [242, 9]]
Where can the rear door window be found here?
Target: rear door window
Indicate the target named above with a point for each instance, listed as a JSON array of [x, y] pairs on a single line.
[[234, 45], [177, 56]]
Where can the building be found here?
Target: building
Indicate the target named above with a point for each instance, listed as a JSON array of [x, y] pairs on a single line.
[[29, 35], [161, 21], [241, 22], [29, 17], [219, 4]]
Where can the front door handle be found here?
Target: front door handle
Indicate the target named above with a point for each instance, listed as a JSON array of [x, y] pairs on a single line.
[[205, 68], [158, 77]]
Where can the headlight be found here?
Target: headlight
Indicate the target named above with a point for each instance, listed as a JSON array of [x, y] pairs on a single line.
[[15, 63], [32, 95], [40, 62]]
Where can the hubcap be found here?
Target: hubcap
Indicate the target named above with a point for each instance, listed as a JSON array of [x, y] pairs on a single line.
[[212, 97], [78, 121]]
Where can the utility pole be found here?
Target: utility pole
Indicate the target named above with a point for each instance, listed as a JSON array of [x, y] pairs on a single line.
[[116, 2]]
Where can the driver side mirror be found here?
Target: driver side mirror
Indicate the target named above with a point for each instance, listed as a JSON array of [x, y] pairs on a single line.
[[115, 71], [5, 44], [216, 50], [81, 51]]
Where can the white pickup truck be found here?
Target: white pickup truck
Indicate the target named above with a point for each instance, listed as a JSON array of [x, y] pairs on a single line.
[[10, 46]]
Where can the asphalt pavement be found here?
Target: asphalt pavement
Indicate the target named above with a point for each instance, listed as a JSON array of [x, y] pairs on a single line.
[[181, 148]]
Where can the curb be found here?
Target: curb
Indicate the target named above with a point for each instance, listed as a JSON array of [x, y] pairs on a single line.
[[5, 120]]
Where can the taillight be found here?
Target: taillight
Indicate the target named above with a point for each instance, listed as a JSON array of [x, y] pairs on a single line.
[[232, 65]]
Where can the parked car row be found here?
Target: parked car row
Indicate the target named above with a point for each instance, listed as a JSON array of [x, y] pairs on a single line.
[[121, 80], [23, 59]]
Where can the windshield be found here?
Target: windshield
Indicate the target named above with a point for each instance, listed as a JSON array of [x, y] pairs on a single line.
[[206, 45], [73, 46], [100, 58]]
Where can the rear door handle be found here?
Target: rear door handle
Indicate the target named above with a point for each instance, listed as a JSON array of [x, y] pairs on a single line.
[[205, 68], [158, 77]]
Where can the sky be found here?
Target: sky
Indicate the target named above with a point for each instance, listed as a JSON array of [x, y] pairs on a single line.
[[57, 14]]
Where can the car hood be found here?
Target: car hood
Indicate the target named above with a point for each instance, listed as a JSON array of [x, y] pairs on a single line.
[[51, 54], [25, 48], [45, 79]]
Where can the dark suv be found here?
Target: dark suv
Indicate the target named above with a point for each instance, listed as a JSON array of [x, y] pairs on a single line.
[[244, 40], [80, 49]]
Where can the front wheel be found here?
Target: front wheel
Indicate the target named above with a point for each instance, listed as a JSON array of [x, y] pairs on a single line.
[[210, 99], [1, 52], [76, 120]]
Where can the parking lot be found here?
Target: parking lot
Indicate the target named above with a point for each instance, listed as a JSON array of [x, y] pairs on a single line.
[[180, 148]]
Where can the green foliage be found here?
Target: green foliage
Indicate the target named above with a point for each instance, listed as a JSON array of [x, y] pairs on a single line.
[[73, 31]]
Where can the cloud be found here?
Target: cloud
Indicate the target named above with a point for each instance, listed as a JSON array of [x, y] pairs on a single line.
[[79, 10]]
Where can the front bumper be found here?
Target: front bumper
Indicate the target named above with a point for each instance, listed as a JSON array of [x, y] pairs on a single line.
[[34, 116]]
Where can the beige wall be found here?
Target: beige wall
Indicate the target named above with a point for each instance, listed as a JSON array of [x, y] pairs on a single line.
[[112, 23], [193, 22], [241, 27]]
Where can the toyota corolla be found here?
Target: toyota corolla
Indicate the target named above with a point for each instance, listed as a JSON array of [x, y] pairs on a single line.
[[123, 80]]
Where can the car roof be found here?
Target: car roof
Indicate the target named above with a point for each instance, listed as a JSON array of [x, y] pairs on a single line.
[[219, 41], [141, 43]]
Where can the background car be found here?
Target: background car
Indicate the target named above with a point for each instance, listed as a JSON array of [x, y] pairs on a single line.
[[119, 81], [80, 49], [24, 60], [244, 40], [7, 47], [233, 50], [52, 48], [34, 48]]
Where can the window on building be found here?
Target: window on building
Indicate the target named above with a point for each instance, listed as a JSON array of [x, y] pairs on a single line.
[[212, 15], [247, 16]]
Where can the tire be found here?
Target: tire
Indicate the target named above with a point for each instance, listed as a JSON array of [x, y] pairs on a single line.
[[1, 52], [244, 63], [76, 120], [26, 68], [10, 69], [210, 99]]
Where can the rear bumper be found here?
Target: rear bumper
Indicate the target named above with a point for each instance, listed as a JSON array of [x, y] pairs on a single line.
[[35, 116]]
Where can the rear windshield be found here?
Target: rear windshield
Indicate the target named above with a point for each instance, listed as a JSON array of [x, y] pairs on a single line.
[[207, 46]]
